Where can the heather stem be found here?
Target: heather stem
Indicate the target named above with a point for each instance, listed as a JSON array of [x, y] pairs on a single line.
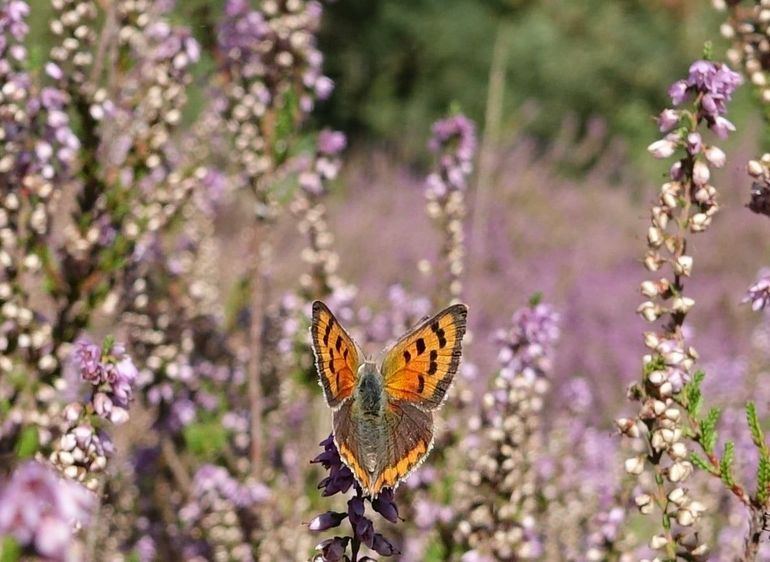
[[489, 140], [258, 281], [754, 535], [354, 547]]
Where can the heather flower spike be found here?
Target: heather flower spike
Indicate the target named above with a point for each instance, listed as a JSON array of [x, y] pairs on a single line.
[[340, 480], [498, 514], [686, 205]]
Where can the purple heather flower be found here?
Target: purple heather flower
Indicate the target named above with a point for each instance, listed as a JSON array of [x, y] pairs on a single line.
[[331, 142], [759, 293], [712, 84], [667, 120], [39, 509], [456, 129], [340, 479], [113, 375], [528, 344], [678, 91]]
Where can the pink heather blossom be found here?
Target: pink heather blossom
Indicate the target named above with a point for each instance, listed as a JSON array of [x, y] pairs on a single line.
[[39, 509]]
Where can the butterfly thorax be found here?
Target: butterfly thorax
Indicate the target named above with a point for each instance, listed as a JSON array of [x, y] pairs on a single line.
[[369, 391]]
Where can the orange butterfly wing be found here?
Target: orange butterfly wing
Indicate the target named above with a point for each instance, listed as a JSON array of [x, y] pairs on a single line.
[[420, 367], [336, 356]]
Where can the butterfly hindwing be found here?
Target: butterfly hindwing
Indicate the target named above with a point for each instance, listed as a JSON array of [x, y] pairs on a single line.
[[349, 441], [420, 367], [408, 438], [336, 356]]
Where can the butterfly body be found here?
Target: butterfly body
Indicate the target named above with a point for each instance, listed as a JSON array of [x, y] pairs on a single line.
[[370, 392], [382, 416]]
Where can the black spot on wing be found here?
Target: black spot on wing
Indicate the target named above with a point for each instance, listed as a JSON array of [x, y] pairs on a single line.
[[432, 368], [420, 343], [338, 345], [328, 331], [407, 356], [440, 334], [420, 384]]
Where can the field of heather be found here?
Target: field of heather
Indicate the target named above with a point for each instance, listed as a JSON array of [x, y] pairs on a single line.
[[409, 280]]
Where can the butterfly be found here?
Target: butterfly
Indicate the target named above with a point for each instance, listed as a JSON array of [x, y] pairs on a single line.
[[383, 415]]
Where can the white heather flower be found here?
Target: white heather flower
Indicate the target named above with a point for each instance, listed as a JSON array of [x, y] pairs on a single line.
[[635, 465], [649, 311], [700, 173], [662, 148], [715, 156], [755, 169], [683, 266]]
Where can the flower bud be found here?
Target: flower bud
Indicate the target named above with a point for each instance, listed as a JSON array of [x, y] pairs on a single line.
[[642, 500], [715, 156], [634, 465], [649, 289], [658, 542], [683, 266], [657, 378], [677, 496], [699, 222], [654, 237], [685, 517], [326, 521], [651, 340], [649, 311], [678, 451], [662, 148], [755, 169], [679, 471], [682, 305]]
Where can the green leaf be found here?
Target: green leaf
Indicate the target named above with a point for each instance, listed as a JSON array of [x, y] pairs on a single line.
[[205, 439], [536, 299], [10, 551], [27, 444], [708, 429], [109, 342], [726, 464], [693, 395], [757, 435], [763, 478], [700, 462]]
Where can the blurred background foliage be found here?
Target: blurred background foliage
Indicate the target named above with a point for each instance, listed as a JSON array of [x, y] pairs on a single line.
[[398, 64]]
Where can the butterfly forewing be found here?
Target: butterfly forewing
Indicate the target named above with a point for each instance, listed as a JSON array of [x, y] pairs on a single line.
[[420, 367], [336, 356]]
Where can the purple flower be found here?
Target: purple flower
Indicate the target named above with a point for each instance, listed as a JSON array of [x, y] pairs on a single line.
[[759, 293], [331, 142], [454, 142], [112, 373], [528, 344], [39, 509], [712, 85], [457, 130], [340, 479]]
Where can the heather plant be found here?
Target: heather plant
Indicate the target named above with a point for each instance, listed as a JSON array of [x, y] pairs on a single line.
[[170, 212]]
